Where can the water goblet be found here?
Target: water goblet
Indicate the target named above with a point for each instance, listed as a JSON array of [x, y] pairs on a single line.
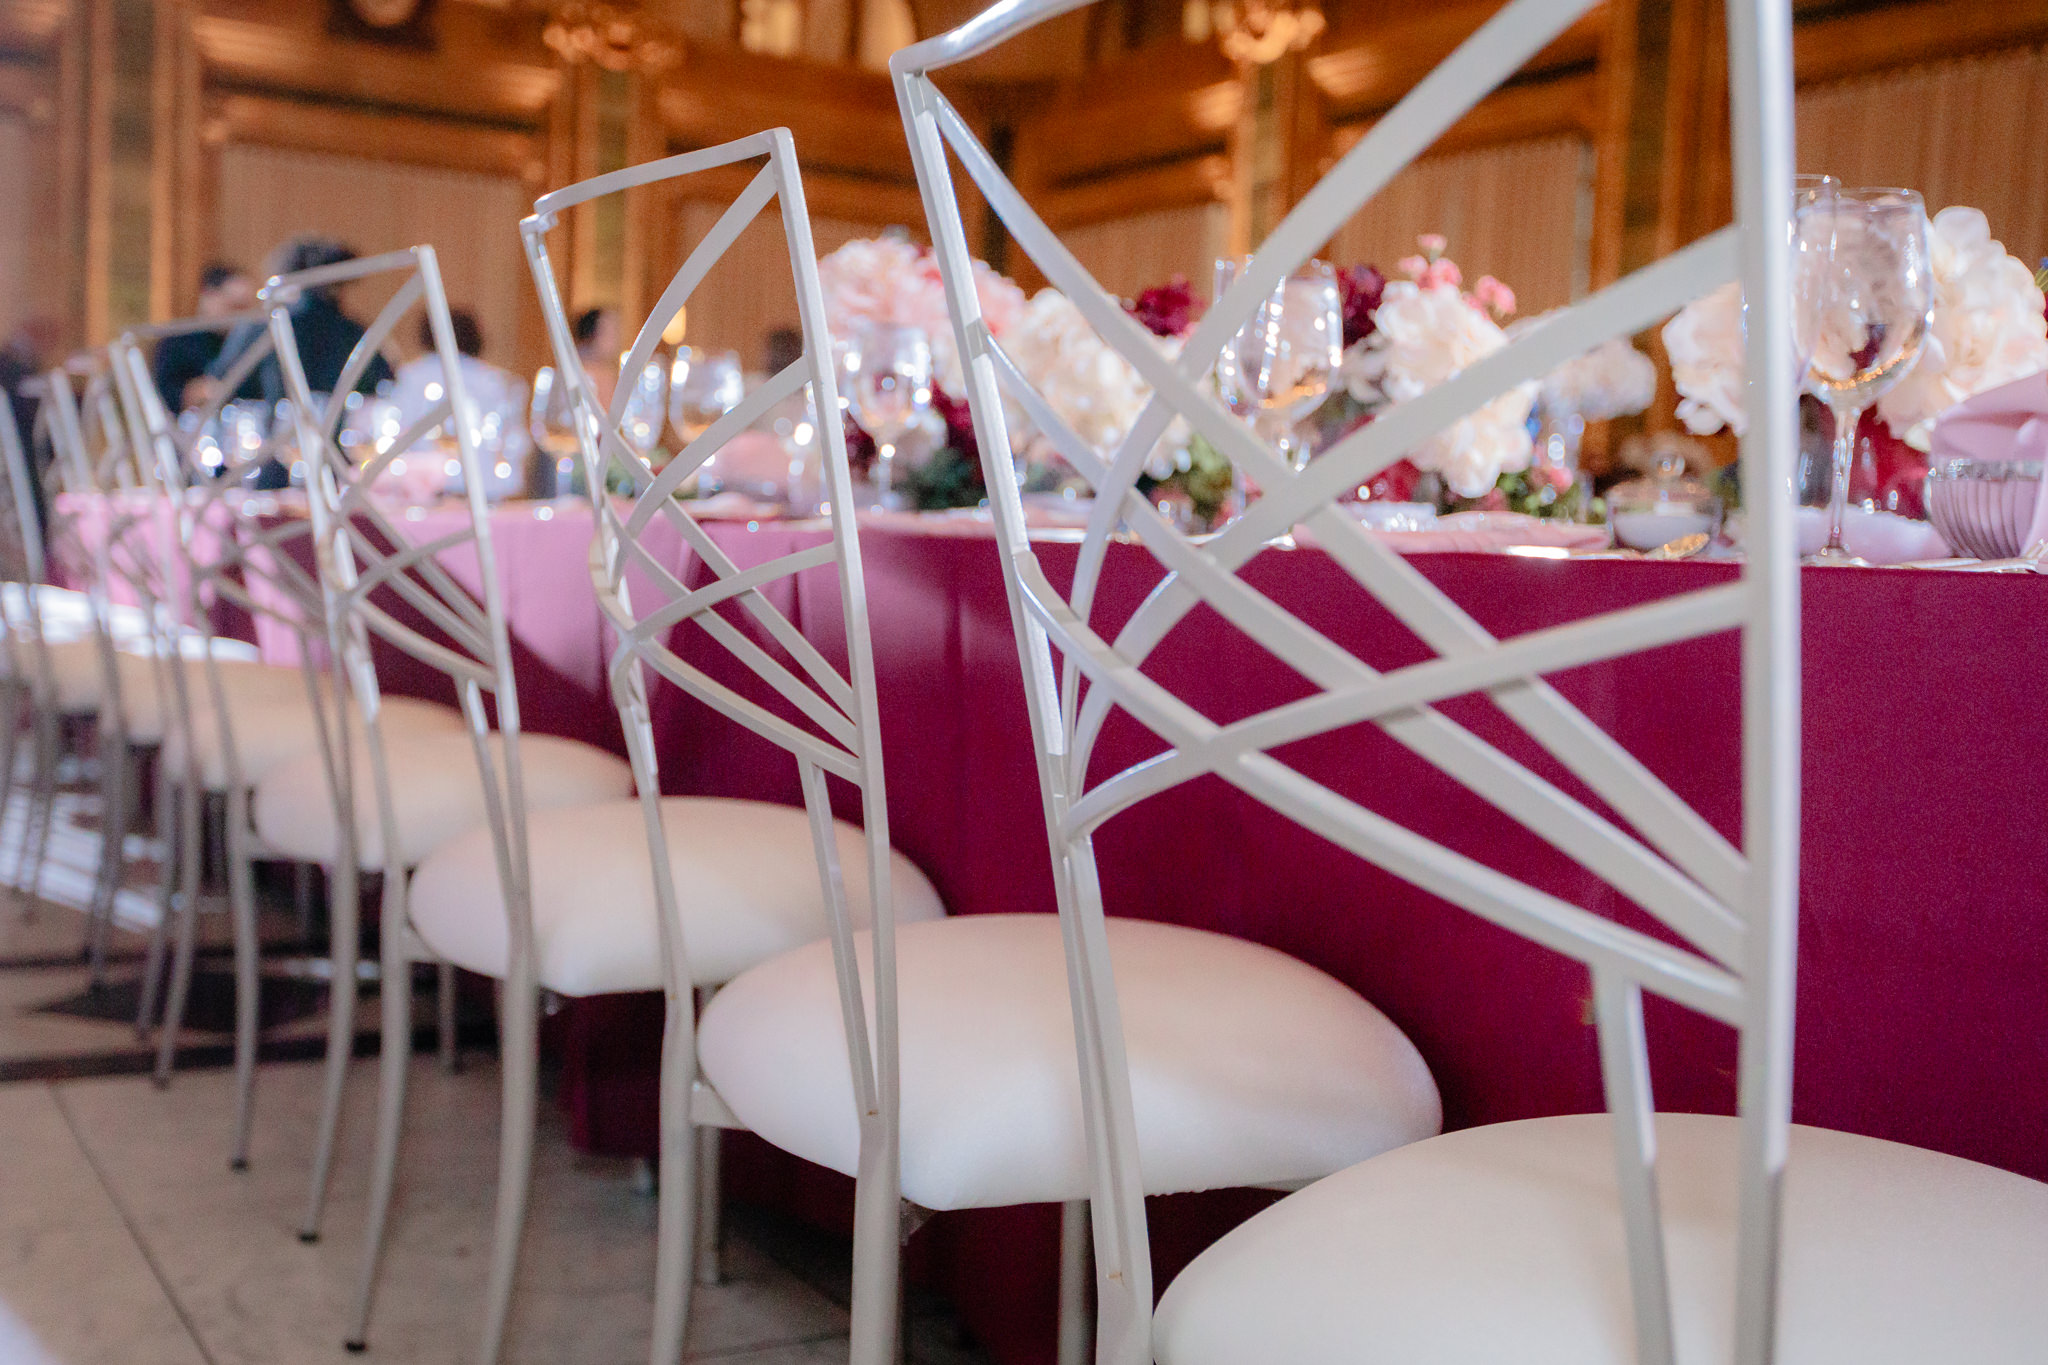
[[703, 387], [888, 370], [1876, 309], [1279, 367]]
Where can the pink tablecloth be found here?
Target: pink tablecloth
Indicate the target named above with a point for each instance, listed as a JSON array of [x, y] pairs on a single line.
[[1923, 974]]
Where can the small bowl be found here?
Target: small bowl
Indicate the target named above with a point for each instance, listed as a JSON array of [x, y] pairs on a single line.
[[1983, 507]]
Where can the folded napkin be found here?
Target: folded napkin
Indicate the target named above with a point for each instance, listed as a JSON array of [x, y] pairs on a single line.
[[2009, 422]]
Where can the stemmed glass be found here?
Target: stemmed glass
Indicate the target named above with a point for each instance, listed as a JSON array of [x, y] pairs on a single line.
[[703, 387], [888, 371], [646, 412], [552, 420], [1278, 368], [1875, 312]]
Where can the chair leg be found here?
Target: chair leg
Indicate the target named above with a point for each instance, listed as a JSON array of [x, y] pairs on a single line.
[[710, 1211], [118, 783], [1076, 1336], [248, 977], [394, 1057], [171, 819], [677, 1209], [344, 921], [42, 807], [189, 822], [519, 1034], [444, 1017], [13, 696], [875, 1334], [113, 762]]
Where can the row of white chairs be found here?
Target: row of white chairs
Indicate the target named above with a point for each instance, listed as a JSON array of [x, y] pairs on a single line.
[[1077, 1058]]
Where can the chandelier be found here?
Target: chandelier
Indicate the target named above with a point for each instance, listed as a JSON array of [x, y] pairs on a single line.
[[617, 37], [1259, 32]]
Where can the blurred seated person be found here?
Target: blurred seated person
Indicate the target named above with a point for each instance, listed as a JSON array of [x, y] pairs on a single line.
[[181, 361], [325, 335], [598, 346], [499, 397]]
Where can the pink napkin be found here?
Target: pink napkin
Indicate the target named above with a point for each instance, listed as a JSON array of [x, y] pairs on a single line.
[[2009, 422]]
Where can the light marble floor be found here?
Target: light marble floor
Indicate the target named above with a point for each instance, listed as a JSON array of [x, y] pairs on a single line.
[[126, 1240]]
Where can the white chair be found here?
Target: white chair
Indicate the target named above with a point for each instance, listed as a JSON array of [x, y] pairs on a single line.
[[1539, 1241], [681, 894], [232, 721], [29, 686], [991, 1112], [424, 787], [112, 670]]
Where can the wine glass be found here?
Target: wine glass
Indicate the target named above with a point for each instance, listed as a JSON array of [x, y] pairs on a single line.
[[645, 413], [552, 420], [1279, 367], [1875, 313], [888, 371], [703, 386]]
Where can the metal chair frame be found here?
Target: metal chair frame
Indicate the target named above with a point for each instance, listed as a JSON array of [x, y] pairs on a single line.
[[30, 682], [1736, 906], [832, 728], [362, 553], [95, 458], [223, 550]]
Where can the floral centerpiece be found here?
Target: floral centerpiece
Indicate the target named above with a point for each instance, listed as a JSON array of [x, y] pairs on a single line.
[[1990, 327]]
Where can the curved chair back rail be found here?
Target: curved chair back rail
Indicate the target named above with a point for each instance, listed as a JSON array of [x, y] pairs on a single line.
[[1733, 907], [825, 719]]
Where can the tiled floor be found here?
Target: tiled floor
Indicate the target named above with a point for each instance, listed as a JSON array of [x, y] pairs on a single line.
[[126, 1240]]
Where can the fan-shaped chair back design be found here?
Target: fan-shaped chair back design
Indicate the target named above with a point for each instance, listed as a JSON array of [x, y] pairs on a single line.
[[1733, 906], [828, 719], [381, 584]]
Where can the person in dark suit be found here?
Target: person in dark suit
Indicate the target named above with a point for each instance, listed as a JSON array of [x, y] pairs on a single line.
[[181, 361], [325, 334]]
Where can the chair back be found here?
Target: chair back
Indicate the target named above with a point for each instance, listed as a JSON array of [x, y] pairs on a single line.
[[21, 618], [225, 544], [827, 720], [380, 583], [96, 477], [1729, 909]]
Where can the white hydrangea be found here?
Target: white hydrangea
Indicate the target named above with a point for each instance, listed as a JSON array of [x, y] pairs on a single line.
[[1424, 336], [1704, 342], [1613, 379], [1988, 325]]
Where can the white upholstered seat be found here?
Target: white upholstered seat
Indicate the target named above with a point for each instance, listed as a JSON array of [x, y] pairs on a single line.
[[1247, 1066], [1504, 1243], [272, 730], [746, 885], [436, 790]]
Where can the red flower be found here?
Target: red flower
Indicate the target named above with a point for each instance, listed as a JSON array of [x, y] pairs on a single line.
[[1361, 287], [1166, 310]]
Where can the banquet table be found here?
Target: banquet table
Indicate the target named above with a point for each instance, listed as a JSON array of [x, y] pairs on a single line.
[[1923, 957]]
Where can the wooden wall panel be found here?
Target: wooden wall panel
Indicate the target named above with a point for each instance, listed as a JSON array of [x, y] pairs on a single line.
[[1519, 211], [748, 294], [17, 223], [1136, 252], [1960, 132], [267, 194]]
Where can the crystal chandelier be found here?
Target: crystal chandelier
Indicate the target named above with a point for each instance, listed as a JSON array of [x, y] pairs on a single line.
[[1260, 32], [617, 37]]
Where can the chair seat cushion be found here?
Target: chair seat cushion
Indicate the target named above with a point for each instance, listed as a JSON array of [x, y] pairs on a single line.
[[76, 672], [272, 727], [435, 788], [1504, 1243], [1247, 1066], [746, 887]]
